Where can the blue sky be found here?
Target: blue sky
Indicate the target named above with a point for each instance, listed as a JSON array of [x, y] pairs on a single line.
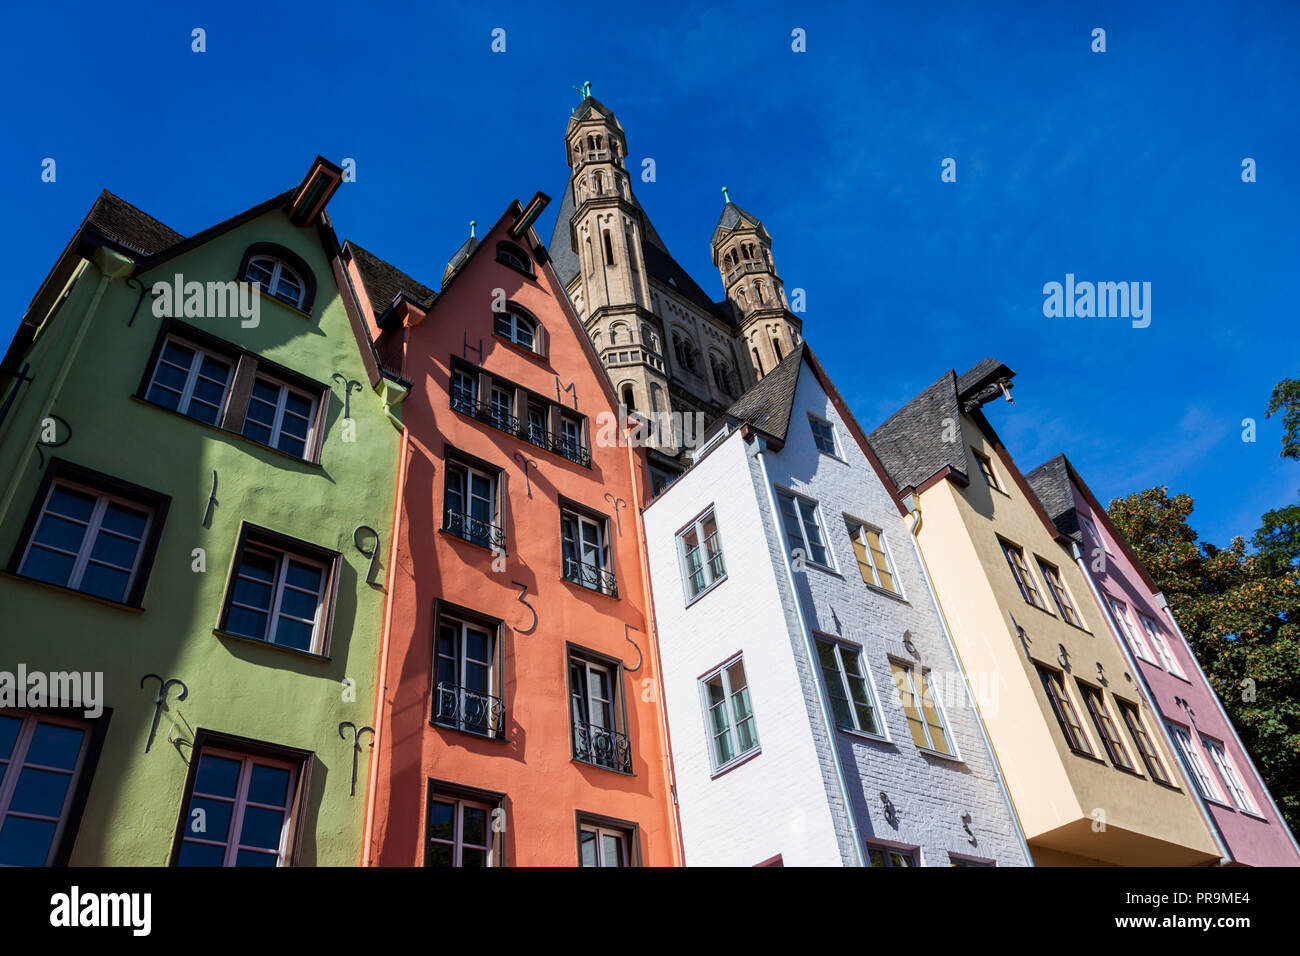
[[1115, 166]]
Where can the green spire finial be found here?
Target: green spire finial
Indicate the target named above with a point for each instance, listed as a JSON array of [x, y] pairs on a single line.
[[472, 224], [725, 197]]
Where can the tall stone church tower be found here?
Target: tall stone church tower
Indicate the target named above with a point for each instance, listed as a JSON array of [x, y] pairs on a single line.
[[666, 344]]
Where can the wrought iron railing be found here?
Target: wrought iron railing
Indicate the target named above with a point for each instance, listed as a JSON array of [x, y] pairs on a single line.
[[474, 530], [591, 576], [602, 747], [534, 434], [462, 709]]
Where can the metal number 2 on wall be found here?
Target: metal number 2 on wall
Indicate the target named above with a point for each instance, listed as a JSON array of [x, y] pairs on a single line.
[[372, 554], [523, 590], [52, 444]]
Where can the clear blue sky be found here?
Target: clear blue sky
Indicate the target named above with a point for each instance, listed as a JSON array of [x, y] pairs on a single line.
[[1117, 166]]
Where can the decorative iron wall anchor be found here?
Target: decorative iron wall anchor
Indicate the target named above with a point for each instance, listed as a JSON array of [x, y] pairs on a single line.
[[568, 388], [891, 814], [617, 503], [526, 461], [466, 348], [372, 554], [965, 825], [347, 384], [356, 747], [52, 444], [523, 590], [212, 500], [161, 699], [639, 659], [131, 282]]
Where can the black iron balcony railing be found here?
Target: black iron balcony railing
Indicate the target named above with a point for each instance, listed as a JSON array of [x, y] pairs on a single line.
[[474, 530], [534, 434], [476, 713], [602, 747], [591, 576]]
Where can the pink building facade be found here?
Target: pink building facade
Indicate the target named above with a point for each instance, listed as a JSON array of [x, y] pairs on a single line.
[[1246, 822]]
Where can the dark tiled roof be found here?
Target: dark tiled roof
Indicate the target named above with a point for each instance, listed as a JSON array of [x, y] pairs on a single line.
[[768, 404], [587, 105], [458, 258], [732, 214], [1050, 483], [383, 282], [982, 369], [125, 224], [910, 443]]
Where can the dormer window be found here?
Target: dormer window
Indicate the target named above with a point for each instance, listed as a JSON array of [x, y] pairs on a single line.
[[276, 278], [511, 255]]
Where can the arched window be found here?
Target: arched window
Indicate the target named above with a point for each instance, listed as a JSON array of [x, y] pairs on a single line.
[[762, 300], [510, 254], [758, 361], [628, 400], [776, 347], [721, 374], [685, 354], [280, 273], [515, 326], [609, 250]]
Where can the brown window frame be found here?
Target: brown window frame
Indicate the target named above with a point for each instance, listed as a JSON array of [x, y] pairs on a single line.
[[1020, 573], [1137, 730], [459, 793], [1058, 697], [1094, 701], [1056, 587], [631, 833]]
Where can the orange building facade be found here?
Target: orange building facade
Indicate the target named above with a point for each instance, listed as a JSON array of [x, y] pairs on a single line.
[[518, 721]]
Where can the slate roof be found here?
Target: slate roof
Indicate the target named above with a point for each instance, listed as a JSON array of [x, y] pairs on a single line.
[[383, 282], [1050, 483], [128, 226], [982, 369], [910, 443], [768, 404]]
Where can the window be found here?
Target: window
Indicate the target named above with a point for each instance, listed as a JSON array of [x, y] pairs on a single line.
[[276, 278], [721, 374], [1094, 533], [239, 809], [1131, 633], [470, 505], [1228, 772], [986, 469], [1020, 571], [730, 722], [281, 592], [823, 435], [1147, 750], [878, 855], [802, 529], [464, 392], [597, 714], [516, 328], [852, 702], [954, 860], [605, 842], [466, 684], [280, 416], [585, 547], [91, 533], [700, 551], [570, 444], [1064, 710], [460, 827], [1106, 732], [1157, 639], [873, 559], [924, 718], [511, 255], [1052, 575], [191, 381], [537, 425], [41, 762], [1195, 764]]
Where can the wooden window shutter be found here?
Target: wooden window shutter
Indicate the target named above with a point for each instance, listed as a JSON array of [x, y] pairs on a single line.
[[298, 822]]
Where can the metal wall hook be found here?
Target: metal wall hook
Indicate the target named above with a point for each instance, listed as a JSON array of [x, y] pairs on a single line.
[[161, 699], [53, 444], [356, 747], [131, 282], [212, 500], [891, 815]]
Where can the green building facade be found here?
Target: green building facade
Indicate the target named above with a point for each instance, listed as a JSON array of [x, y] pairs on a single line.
[[191, 492]]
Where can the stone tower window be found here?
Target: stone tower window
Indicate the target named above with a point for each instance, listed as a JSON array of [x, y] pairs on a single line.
[[609, 249], [758, 361]]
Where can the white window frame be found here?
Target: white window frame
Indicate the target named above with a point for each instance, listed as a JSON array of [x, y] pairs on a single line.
[[706, 564], [282, 559], [456, 376], [241, 803], [277, 421], [858, 531], [600, 832], [15, 762], [868, 682], [1227, 768], [90, 536], [467, 496], [1095, 534], [909, 671], [457, 841], [803, 542], [278, 270], [813, 422], [1195, 765], [603, 549], [192, 375], [1135, 641], [1162, 647], [461, 662], [516, 321], [728, 709]]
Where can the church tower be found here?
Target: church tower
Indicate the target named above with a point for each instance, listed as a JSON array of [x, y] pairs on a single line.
[[611, 291], [742, 251]]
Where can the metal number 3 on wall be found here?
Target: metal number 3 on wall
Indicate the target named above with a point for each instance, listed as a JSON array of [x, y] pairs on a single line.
[[523, 590]]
